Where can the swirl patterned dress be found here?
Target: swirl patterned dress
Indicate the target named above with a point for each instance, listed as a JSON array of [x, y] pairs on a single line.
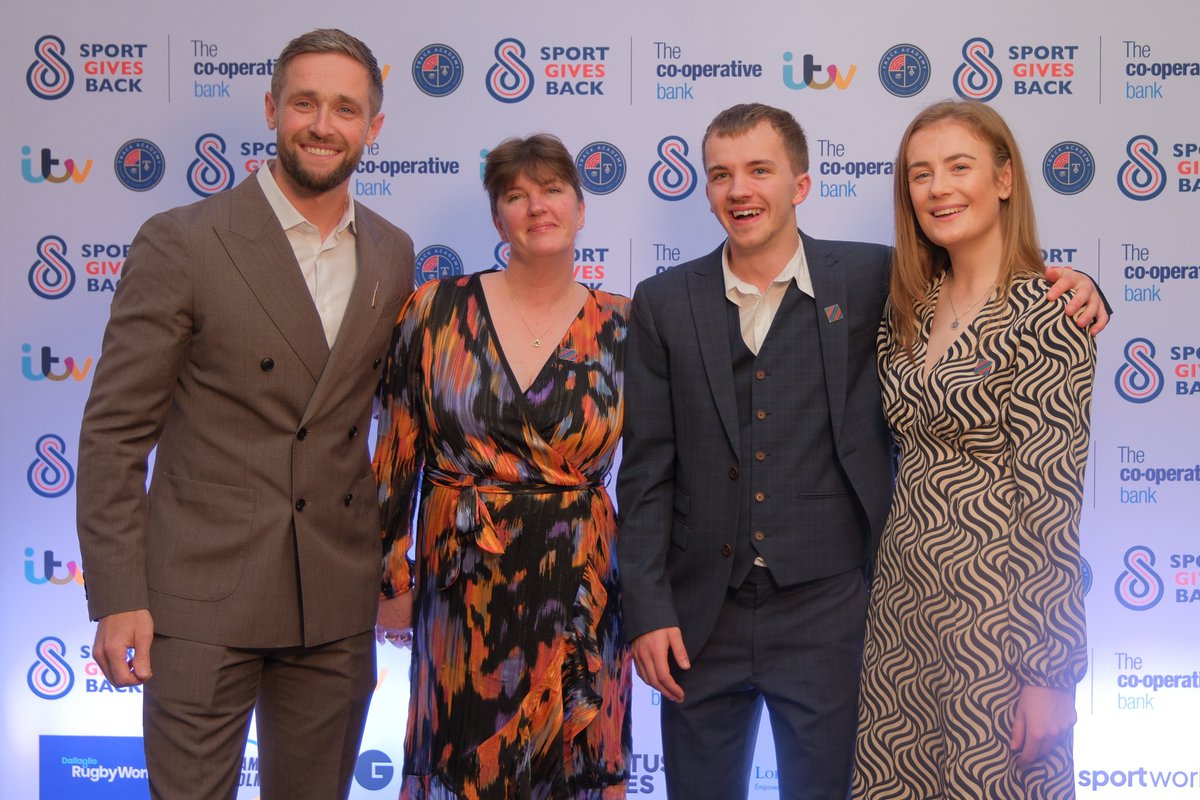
[[520, 671], [977, 587]]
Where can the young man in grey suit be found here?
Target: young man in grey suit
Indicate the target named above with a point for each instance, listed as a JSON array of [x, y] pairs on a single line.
[[756, 476], [245, 342]]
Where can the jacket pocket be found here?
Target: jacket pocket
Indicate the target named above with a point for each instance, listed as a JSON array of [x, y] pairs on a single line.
[[196, 537]]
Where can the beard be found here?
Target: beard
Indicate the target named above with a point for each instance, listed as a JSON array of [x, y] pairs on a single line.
[[289, 159]]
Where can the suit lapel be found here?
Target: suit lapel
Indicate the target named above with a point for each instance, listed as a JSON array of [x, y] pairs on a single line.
[[833, 325], [362, 309], [706, 289], [263, 255]]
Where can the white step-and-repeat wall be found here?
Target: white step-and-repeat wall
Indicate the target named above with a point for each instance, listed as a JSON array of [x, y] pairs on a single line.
[[117, 110]]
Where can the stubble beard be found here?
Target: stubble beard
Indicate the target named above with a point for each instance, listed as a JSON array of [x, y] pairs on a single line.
[[313, 182]]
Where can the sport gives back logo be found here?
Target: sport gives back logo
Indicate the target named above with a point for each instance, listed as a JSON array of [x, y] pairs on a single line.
[[1141, 176], [210, 172], [51, 276], [672, 177], [1139, 586], [510, 80], [50, 677], [50, 76], [978, 77], [1139, 380], [50, 474]]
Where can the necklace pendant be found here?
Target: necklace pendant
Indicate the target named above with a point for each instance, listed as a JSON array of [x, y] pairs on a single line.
[[954, 325], [537, 341]]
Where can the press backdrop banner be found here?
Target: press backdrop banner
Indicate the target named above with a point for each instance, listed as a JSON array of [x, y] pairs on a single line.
[[118, 110]]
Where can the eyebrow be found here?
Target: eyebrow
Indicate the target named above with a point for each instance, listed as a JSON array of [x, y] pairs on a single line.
[[761, 162], [953, 157]]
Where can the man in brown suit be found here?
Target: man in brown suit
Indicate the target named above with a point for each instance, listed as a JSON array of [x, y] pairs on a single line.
[[245, 341]]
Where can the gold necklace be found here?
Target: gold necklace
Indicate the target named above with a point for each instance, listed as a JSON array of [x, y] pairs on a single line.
[[537, 337], [954, 311]]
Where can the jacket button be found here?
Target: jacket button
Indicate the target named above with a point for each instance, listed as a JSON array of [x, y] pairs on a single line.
[[267, 364], [759, 536], [353, 431], [348, 499], [761, 455], [301, 434], [727, 550], [761, 374], [760, 414], [376, 364], [760, 496], [733, 473], [300, 504]]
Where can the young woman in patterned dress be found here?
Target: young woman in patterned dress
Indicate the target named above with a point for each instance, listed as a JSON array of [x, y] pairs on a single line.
[[975, 632]]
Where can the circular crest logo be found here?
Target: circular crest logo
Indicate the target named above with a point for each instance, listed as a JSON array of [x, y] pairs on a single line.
[[140, 165], [1142, 176], [436, 262], [977, 78], [437, 70], [51, 276], [374, 770], [210, 172], [1139, 380], [1139, 587], [1068, 168], [904, 70], [510, 80], [50, 76], [51, 677], [50, 474], [601, 168], [672, 177], [1085, 575]]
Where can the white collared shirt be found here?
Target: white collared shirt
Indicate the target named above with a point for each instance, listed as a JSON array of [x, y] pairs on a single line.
[[756, 310], [329, 267]]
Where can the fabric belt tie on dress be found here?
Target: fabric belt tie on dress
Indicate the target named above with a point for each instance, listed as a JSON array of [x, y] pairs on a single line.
[[473, 520]]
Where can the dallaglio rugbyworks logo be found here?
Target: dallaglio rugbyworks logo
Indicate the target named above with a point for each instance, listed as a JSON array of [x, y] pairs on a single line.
[[1068, 168], [601, 167], [904, 70], [437, 70], [140, 165]]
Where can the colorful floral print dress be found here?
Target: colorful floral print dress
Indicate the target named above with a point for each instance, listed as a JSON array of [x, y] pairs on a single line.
[[520, 672]]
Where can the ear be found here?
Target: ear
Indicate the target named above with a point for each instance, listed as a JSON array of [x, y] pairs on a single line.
[[803, 187], [374, 128], [1004, 181], [270, 111], [582, 214], [500, 229]]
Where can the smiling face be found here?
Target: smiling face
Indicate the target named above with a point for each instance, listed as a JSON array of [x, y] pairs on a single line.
[[956, 189], [322, 121], [539, 218], [753, 191]]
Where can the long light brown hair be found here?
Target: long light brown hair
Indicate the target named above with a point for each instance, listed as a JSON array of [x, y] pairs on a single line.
[[917, 260]]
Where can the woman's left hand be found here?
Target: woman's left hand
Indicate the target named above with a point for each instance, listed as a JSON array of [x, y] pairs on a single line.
[[1044, 714]]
